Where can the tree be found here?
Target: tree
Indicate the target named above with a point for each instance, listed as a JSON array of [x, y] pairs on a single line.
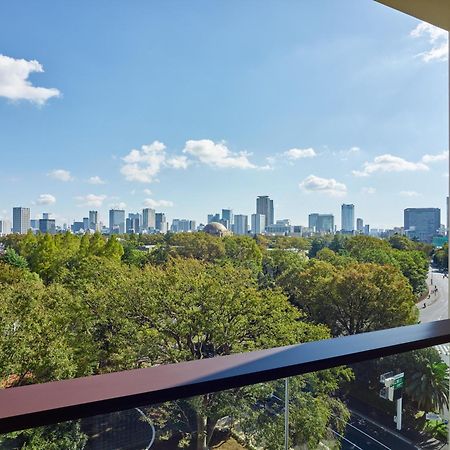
[[352, 299], [428, 386], [14, 259]]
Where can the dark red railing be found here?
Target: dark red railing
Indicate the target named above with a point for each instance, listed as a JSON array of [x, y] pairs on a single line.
[[44, 404]]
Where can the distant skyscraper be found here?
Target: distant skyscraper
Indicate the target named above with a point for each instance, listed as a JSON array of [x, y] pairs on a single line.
[[264, 205], [47, 225], [133, 223], [161, 222], [367, 229], [116, 221], [86, 223], [21, 220], [422, 223], [227, 217], [148, 219], [5, 227], [348, 218], [182, 225], [213, 217], [325, 223], [359, 225], [258, 223], [76, 227], [321, 223], [240, 224], [93, 220], [45, 215], [312, 221]]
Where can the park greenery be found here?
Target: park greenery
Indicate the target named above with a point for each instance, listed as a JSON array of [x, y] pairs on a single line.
[[74, 306]]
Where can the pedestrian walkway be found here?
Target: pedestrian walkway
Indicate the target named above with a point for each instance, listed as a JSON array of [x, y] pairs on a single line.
[[443, 349]]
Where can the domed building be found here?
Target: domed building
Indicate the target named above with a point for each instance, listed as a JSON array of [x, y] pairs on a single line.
[[216, 229]]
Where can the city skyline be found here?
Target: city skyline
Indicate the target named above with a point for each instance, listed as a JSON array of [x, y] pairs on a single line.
[[189, 131]]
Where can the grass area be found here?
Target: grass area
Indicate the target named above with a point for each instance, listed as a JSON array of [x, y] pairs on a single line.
[[229, 444]]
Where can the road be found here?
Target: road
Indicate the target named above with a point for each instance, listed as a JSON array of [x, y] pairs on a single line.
[[363, 433], [437, 304]]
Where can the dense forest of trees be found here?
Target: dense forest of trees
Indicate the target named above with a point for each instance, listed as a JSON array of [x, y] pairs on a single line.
[[74, 306]]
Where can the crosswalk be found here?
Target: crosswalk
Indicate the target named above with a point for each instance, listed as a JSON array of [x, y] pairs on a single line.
[[443, 349]]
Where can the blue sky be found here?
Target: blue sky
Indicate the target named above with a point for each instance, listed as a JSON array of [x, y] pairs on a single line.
[[195, 106]]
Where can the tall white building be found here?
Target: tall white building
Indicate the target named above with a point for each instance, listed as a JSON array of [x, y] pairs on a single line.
[[5, 227], [21, 220], [240, 224], [258, 223], [148, 219], [348, 218]]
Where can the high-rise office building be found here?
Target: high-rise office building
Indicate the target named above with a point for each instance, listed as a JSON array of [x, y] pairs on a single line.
[[5, 227], [34, 224], [312, 221], [148, 219], [21, 220], [321, 223], [161, 222], [325, 223], [93, 220], [227, 218], [359, 225], [348, 218], [367, 229], [116, 221], [213, 217], [258, 223], [240, 224], [264, 205], [45, 215], [182, 225], [86, 223], [133, 223], [422, 223], [47, 225]]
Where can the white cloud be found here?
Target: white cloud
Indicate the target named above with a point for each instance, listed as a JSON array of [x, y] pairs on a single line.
[[14, 83], [61, 175], [389, 163], [368, 190], [118, 205], [46, 199], [143, 165], [436, 37], [151, 203], [147, 191], [218, 155], [409, 194], [433, 158], [299, 153], [178, 162], [327, 186], [91, 200], [96, 180]]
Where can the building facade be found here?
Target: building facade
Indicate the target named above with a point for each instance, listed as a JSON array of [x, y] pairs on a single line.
[[264, 205], [93, 220], [240, 224], [422, 223], [359, 225], [348, 218], [148, 219], [117, 221], [258, 223], [161, 222], [21, 220], [47, 226]]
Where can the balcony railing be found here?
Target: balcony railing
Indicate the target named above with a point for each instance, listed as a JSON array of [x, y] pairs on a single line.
[[49, 403]]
